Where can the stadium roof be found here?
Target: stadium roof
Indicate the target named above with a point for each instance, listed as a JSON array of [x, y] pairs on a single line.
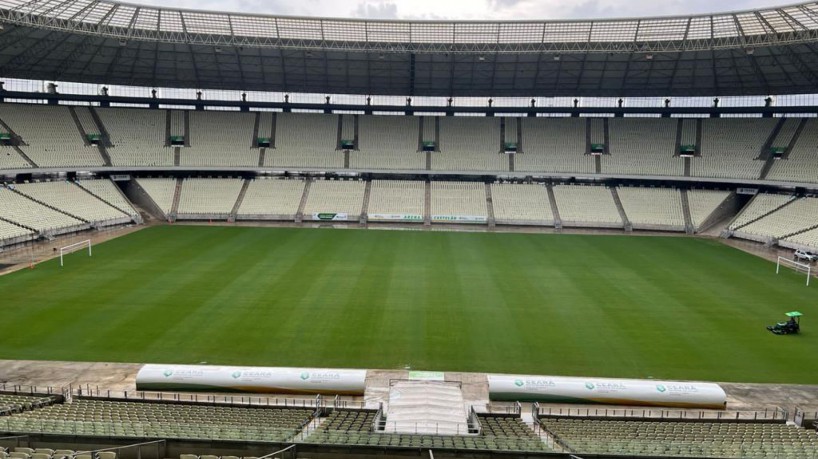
[[767, 51]]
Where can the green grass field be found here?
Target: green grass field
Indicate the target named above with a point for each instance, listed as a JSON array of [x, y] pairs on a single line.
[[514, 303]]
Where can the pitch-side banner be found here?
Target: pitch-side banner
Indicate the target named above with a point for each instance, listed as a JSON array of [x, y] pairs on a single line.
[[607, 391], [395, 217], [251, 379], [460, 218], [330, 217]]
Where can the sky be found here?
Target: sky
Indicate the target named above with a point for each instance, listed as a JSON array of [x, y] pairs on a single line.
[[470, 9]]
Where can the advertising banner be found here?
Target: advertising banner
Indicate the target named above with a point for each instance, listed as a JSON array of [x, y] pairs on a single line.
[[460, 218], [395, 217], [606, 391], [330, 217], [251, 379]]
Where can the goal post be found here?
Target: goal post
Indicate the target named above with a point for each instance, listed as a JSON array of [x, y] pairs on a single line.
[[74, 248], [794, 265]]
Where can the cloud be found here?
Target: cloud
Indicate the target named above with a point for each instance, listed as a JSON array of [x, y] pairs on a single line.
[[376, 10], [470, 9]]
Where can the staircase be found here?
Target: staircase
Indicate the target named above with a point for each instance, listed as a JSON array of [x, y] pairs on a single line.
[[254, 139], [262, 152], [232, 217], [796, 233], [177, 156], [511, 162], [688, 164], [427, 205], [490, 207], [552, 199], [187, 129], [299, 215], [598, 164], [177, 195], [18, 224], [100, 147], [16, 141], [689, 228], [25, 156], [167, 128], [625, 221], [678, 144], [106, 137], [365, 207]]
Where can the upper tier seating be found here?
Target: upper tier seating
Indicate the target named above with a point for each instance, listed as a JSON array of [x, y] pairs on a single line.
[[335, 197], [161, 420], [307, 140], [75, 201], [642, 146], [397, 200], [459, 202], [807, 239], [730, 146], [703, 203], [271, 199], [801, 164], [50, 134], [10, 159], [220, 139], [554, 145], [137, 135], [388, 142], [469, 144], [161, 191], [521, 204], [653, 208], [587, 206], [208, 198], [23, 211], [686, 439]]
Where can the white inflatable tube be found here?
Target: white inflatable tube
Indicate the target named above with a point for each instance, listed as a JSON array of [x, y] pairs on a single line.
[[251, 379], [606, 391]]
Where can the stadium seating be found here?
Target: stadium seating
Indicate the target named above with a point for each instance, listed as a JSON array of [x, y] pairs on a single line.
[[703, 203], [653, 208], [306, 140], [75, 201], [50, 135], [205, 198], [10, 159], [517, 204], [108, 192], [469, 144], [686, 439], [554, 145], [48, 453], [459, 202], [730, 146], [108, 418], [401, 200], [12, 234], [587, 206], [793, 218], [220, 139], [13, 403], [335, 197], [801, 164], [137, 135], [388, 142], [22, 211], [807, 239], [355, 427], [760, 205], [271, 199], [642, 146], [161, 191]]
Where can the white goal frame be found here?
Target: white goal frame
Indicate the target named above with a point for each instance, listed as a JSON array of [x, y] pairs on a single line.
[[73, 248], [796, 266]]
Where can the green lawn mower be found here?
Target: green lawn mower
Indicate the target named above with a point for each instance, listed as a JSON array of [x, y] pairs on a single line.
[[790, 327]]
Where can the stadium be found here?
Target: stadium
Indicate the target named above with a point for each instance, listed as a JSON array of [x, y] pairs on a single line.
[[244, 236]]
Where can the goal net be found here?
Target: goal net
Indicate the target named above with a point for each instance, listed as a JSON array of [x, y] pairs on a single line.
[[794, 265], [76, 247]]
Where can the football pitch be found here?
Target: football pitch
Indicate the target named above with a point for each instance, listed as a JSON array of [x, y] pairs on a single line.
[[619, 306]]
